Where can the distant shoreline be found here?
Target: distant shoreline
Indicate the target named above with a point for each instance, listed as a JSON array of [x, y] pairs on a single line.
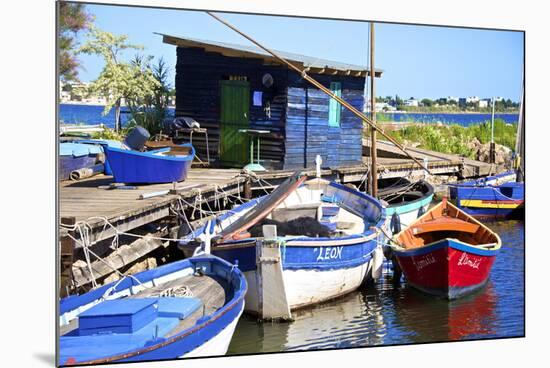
[[90, 104], [448, 112]]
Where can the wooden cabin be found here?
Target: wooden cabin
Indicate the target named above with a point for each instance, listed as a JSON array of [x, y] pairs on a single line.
[[227, 88]]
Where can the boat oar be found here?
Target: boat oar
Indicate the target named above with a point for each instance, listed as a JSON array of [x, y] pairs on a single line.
[[327, 91]]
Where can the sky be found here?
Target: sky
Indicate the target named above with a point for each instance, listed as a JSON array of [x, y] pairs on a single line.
[[418, 61]]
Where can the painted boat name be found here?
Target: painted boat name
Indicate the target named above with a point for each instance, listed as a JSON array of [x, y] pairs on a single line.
[[329, 253], [424, 262], [472, 262]]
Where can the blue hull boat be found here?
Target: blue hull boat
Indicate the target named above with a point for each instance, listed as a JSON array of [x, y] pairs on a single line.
[[311, 268], [188, 308], [84, 153], [165, 165], [486, 199]]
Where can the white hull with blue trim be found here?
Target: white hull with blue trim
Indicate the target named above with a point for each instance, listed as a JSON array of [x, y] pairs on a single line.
[[311, 269]]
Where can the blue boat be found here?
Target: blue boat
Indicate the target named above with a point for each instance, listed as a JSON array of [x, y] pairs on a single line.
[[297, 267], [492, 197], [188, 308], [405, 201], [76, 154], [164, 165]]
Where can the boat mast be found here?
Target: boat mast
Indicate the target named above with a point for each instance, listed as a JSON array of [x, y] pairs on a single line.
[[492, 145], [327, 91], [373, 170], [520, 149]]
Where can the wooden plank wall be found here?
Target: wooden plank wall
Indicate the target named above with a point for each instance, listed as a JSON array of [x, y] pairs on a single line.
[[198, 95], [337, 146]]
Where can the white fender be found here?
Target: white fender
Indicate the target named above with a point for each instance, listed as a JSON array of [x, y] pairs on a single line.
[[377, 263]]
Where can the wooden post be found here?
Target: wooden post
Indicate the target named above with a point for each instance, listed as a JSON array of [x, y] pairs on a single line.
[[273, 304], [66, 255], [373, 169]]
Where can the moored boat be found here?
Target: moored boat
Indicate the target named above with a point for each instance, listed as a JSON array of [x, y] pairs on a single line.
[[446, 252], [406, 200], [489, 201], [187, 308], [328, 244], [164, 165]]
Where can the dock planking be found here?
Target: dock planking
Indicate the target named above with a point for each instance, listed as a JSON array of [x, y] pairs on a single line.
[[84, 201], [123, 208]]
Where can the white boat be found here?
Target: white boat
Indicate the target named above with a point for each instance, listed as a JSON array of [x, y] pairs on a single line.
[[296, 268]]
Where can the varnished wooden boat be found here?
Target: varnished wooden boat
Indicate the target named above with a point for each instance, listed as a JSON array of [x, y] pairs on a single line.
[[446, 252]]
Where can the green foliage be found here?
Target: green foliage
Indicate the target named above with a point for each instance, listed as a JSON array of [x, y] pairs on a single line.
[[455, 138], [149, 111], [118, 80], [109, 134], [427, 102], [72, 19]]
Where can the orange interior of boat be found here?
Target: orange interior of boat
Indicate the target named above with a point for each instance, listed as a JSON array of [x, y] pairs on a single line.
[[445, 221]]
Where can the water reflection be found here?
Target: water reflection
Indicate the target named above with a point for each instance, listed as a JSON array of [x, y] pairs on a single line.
[[389, 313]]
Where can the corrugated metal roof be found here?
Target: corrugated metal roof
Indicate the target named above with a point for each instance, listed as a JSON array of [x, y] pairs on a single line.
[[315, 64]]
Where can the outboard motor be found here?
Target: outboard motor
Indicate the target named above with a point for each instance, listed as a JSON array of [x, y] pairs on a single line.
[[136, 138]]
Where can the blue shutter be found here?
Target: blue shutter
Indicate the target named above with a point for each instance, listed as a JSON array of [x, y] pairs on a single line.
[[334, 107]]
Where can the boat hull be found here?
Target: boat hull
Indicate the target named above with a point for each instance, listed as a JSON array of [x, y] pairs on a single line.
[[488, 202], [68, 164], [447, 268], [210, 335], [312, 273], [408, 213], [148, 167]]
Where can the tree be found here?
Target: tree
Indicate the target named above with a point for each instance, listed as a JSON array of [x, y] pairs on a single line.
[[149, 111], [427, 102], [118, 79], [72, 19]]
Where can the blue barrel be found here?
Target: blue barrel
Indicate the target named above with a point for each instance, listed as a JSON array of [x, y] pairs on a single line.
[[136, 138]]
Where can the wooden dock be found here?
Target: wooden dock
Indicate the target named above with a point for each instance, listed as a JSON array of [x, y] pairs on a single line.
[[108, 212], [84, 201], [443, 163]]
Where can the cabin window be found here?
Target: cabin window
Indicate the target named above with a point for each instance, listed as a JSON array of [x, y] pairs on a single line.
[[334, 107]]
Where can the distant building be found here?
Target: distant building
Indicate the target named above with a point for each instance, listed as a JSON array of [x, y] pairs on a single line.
[[462, 101], [451, 98], [381, 106], [472, 99], [483, 103], [411, 102]]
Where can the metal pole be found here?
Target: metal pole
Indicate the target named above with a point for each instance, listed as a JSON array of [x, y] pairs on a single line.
[[492, 146], [324, 89], [374, 171]]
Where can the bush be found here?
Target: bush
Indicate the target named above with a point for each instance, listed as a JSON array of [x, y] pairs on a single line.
[[455, 138]]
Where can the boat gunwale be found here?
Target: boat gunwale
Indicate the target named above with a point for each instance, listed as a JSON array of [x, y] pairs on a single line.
[[396, 245], [423, 198], [238, 297], [152, 154]]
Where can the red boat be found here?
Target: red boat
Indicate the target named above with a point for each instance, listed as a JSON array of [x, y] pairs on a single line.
[[446, 252]]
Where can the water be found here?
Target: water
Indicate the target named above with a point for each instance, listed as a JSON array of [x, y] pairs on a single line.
[[92, 115], [89, 114], [388, 314]]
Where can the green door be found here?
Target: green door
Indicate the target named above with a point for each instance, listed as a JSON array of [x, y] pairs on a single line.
[[235, 97]]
